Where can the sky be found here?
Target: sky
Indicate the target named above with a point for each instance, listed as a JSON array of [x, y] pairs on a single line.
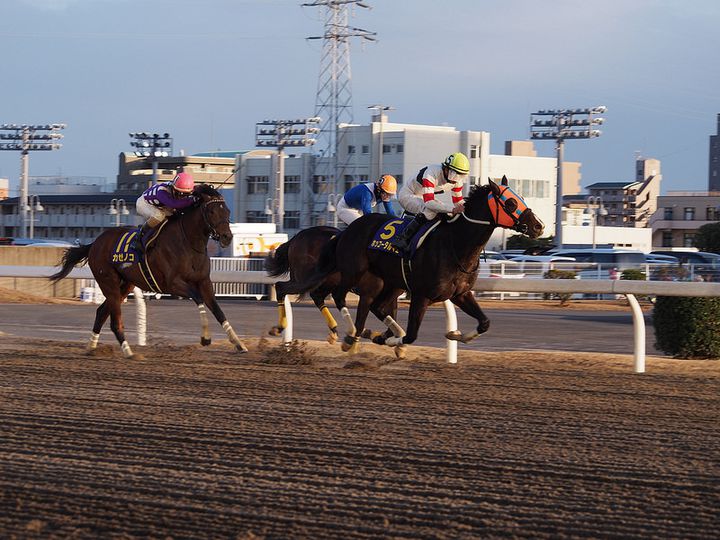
[[206, 71]]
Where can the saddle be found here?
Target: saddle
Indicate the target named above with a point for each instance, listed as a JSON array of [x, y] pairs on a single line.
[[395, 226], [125, 255]]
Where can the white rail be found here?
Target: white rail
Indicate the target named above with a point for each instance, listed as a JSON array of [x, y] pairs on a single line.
[[627, 288]]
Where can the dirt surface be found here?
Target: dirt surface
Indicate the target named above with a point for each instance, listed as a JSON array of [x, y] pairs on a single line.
[[193, 442]]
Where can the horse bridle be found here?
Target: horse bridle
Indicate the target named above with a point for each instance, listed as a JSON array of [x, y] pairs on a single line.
[[517, 226], [213, 232]]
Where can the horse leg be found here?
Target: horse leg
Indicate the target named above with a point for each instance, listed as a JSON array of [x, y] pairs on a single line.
[[277, 330], [208, 297], [101, 315], [418, 306], [205, 338], [368, 289], [469, 305], [116, 322], [318, 296]]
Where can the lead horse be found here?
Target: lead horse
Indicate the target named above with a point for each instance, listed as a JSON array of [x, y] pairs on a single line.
[[445, 267], [177, 264]]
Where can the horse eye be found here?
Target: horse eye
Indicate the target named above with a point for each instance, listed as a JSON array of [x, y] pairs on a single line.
[[511, 205]]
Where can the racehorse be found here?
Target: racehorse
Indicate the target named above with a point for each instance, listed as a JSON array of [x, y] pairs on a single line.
[[299, 256], [444, 267], [177, 264]]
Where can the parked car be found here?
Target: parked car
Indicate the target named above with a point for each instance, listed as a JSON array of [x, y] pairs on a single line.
[[538, 265], [700, 264]]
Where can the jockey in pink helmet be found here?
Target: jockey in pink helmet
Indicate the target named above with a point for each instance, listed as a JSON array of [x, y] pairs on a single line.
[[160, 201]]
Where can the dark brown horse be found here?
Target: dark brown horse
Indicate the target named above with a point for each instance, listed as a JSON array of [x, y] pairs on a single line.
[[445, 267], [177, 264], [298, 257]]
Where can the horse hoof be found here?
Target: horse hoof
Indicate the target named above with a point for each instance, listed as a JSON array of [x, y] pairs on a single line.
[[401, 351], [275, 331], [349, 342], [379, 339], [136, 356], [241, 348], [332, 338], [454, 335], [366, 334], [354, 348], [205, 341]]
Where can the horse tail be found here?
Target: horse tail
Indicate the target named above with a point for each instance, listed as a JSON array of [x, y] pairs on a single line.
[[327, 264], [72, 257], [277, 262]]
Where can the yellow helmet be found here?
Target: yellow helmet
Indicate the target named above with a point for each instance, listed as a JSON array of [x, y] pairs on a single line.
[[388, 184], [458, 162]]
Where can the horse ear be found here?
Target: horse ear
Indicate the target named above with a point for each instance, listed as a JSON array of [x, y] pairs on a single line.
[[493, 186], [504, 181]]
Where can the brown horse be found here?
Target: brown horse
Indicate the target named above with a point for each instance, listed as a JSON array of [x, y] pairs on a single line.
[[177, 264], [444, 267]]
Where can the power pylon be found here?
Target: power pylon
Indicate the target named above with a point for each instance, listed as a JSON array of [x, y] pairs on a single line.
[[333, 103]]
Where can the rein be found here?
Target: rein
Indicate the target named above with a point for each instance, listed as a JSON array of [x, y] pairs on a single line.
[[213, 232]]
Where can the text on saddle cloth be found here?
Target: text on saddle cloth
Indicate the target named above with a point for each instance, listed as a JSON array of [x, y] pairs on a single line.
[[123, 253], [394, 227]]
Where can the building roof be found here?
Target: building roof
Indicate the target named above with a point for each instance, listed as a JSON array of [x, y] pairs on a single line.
[[612, 185]]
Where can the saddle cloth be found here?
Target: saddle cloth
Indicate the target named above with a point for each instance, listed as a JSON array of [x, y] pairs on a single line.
[[395, 226], [123, 253]]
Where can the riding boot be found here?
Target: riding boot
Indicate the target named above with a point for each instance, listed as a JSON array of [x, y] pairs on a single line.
[[139, 240], [402, 242]]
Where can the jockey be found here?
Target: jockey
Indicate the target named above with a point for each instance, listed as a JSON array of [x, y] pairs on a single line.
[[361, 199], [160, 201], [417, 196]]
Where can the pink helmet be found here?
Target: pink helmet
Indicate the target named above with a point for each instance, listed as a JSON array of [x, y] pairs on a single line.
[[184, 183]]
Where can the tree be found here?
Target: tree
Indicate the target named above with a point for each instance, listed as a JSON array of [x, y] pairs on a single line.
[[708, 238]]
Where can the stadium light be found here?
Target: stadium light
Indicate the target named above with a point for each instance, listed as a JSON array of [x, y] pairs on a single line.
[[152, 146], [281, 134], [559, 125], [26, 138]]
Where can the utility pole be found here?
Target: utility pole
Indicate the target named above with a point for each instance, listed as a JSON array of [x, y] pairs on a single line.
[[564, 124], [28, 137], [380, 117]]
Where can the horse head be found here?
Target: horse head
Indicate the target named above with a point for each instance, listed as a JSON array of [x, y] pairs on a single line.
[[506, 209], [215, 213]]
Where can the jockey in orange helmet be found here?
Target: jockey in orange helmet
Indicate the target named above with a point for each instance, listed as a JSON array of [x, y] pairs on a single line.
[[361, 199], [160, 201]]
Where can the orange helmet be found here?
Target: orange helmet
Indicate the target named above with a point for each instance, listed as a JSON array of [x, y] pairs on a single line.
[[183, 183], [388, 184]]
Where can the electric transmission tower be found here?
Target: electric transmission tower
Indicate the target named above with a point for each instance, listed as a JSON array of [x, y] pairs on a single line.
[[333, 103]]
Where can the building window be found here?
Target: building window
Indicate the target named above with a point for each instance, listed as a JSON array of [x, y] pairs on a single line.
[[348, 179], [351, 149], [399, 178], [667, 239], [400, 148], [320, 184], [365, 149], [257, 184], [688, 239], [473, 151], [387, 148], [291, 220], [292, 184], [255, 216], [363, 178], [668, 213], [689, 214], [713, 214]]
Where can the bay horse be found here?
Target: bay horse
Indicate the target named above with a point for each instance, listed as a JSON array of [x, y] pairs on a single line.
[[177, 264], [444, 267], [299, 257]]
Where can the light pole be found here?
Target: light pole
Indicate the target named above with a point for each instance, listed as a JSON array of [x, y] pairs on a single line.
[[279, 134], [564, 124], [151, 146], [381, 117], [118, 208], [32, 207], [26, 138], [594, 207], [333, 200]]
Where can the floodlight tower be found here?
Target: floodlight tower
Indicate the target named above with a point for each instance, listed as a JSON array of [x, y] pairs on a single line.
[[333, 102], [564, 124], [279, 134], [28, 137], [152, 146]]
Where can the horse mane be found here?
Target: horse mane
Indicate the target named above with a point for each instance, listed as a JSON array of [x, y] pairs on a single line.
[[477, 194], [206, 189]]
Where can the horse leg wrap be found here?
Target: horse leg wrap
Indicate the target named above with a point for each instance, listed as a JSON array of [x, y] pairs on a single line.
[[393, 326], [94, 338], [126, 350], [329, 319], [345, 312], [205, 333], [282, 316], [394, 341], [232, 336]]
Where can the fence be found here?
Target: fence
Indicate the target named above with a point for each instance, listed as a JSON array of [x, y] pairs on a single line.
[[568, 286]]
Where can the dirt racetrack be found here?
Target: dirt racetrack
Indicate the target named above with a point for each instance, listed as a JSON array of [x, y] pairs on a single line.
[[194, 442]]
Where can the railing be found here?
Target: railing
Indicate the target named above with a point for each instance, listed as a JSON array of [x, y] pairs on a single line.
[[615, 287]]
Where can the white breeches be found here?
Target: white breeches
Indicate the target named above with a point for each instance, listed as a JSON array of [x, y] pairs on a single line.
[[346, 214], [154, 215]]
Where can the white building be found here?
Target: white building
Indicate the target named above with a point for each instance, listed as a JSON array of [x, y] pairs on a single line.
[[381, 147]]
